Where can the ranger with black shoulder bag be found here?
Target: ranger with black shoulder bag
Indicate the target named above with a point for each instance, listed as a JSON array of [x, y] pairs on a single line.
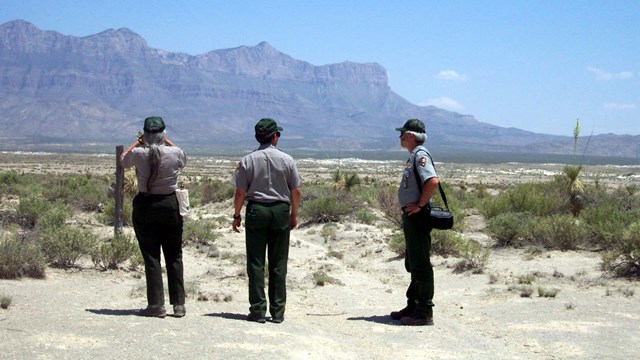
[[419, 183]]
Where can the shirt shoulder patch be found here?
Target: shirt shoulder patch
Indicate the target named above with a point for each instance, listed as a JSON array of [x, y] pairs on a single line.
[[423, 161]]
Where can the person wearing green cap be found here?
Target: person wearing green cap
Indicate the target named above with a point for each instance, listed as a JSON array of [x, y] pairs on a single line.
[[268, 179], [156, 219], [418, 184]]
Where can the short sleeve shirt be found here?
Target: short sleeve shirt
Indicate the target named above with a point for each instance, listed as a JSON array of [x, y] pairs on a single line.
[[173, 160], [267, 174], [409, 192]]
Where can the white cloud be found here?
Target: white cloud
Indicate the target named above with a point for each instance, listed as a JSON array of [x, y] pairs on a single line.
[[444, 102], [605, 75], [616, 106], [450, 75]]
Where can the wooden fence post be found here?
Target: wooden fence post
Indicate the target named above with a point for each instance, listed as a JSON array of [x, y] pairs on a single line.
[[119, 193]]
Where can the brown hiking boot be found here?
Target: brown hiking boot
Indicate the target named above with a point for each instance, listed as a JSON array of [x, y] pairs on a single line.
[[153, 311], [397, 315], [417, 321]]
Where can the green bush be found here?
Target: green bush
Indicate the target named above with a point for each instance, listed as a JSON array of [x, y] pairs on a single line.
[[322, 205], [20, 257], [108, 214], [561, 232], [199, 233], [31, 209], [365, 216], [624, 258], [115, 251], [397, 244], [445, 243], [65, 245], [84, 192], [509, 228], [474, 257], [55, 216], [540, 199], [210, 191]]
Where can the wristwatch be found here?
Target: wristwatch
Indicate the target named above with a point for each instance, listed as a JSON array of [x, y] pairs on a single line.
[[235, 217]]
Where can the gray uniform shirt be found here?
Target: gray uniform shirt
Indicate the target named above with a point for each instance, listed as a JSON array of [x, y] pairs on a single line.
[[267, 174], [173, 160], [408, 192]]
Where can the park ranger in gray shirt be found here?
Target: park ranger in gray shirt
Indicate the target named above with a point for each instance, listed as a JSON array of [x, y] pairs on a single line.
[[419, 182], [268, 179]]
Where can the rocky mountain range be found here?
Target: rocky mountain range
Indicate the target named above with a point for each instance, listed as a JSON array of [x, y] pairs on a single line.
[[59, 89]]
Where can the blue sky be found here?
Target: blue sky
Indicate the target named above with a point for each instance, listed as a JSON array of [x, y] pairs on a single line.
[[533, 65]]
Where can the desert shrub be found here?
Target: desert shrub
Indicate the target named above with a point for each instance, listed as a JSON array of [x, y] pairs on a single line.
[[624, 259], [474, 257], [55, 216], [387, 202], [345, 181], [210, 191], [446, 243], [199, 232], [562, 232], [607, 217], [108, 214], [536, 198], [115, 251], [65, 245], [31, 208], [365, 216], [84, 192], [20, 257], [509, 228], [5, 301], [397, 244], [324, 205], [321, 278], [550, 293]]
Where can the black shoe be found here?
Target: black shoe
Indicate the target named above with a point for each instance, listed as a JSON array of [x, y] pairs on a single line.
[[277, 320], [417, 321], [397, 315], [256, 318], [179, 311], [153, 311]]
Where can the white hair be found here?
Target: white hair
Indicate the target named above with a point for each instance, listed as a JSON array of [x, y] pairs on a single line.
[[420, 137]]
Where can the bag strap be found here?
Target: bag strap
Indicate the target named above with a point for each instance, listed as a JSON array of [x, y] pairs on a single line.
[[417, 176]]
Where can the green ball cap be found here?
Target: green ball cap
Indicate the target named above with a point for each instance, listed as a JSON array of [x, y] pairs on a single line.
[[267, 126], [153, 124], [414, 125]]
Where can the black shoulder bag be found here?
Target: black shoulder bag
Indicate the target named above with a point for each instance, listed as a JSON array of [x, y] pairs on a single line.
[[439, 217]]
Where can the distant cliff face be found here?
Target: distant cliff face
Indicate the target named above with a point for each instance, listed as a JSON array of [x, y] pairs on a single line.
[[60, 88]]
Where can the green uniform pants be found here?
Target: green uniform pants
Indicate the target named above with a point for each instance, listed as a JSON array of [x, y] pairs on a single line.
[[417, 236], [267, 229], [158, 225]]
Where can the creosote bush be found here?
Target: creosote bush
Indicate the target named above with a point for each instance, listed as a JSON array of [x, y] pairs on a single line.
[[110, 253], [323, 204], [20, 257], [63, 246]]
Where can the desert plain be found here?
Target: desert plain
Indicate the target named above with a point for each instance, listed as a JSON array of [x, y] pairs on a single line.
[[88, 313]]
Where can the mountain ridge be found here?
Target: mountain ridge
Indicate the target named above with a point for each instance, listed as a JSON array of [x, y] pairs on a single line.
[[100, 87]]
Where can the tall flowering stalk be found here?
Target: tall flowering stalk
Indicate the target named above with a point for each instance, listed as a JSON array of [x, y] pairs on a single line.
[[572, 172]]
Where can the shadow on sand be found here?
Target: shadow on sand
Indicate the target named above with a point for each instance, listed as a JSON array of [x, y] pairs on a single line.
[[115, 312], [378, 319], [230, 316]]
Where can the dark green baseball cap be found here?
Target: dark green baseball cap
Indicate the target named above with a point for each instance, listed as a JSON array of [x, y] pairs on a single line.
[[414, 125], [153, 124], [267, 126]]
